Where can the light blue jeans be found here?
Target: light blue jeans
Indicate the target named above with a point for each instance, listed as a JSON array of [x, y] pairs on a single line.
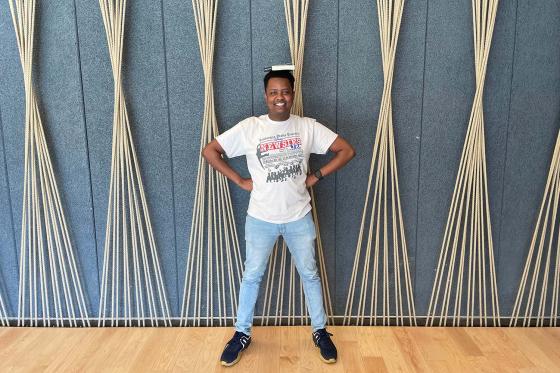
[[300, 239]]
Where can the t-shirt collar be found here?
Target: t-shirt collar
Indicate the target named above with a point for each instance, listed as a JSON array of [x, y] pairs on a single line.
[[278, 122]]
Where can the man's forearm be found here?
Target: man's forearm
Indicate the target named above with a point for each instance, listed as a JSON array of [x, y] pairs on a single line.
[[339, 160], [219, 164]]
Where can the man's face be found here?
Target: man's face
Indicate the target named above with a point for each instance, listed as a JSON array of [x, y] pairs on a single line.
[[279, 97]]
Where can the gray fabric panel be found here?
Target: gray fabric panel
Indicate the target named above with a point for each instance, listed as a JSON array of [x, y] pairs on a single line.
[[360, 86], [8, 252], [319, 102], [185, 94], [496, 121], [448, 91], [144, 82], [57, 81], [144, 87], [232, 82], [534, 124], [432, 98], [408, 88], [448, 95], [97, 88], [12, 105], [232, 89], [59, 87]]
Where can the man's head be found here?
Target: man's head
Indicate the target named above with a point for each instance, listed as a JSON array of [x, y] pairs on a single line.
[[279, 94], [279, 74]]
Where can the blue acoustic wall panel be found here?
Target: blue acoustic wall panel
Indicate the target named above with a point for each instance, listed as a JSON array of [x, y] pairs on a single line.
[[56, 76], [359, 90], [59, 86], [534, 121], [185, 92], [360, 86], [233, 87], [145, 91], [448, 97], [433, 90], [448, 92], [319, 102], [497, 104], [408, 90], [8, 252], [232, 95], [145, 82], [12, 114], [97, 91]]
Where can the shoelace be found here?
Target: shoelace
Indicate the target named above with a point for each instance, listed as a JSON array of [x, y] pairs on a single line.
[[241, 339], [320, 334]]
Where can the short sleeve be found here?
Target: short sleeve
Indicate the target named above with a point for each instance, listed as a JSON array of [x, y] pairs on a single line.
[[233, 141], [322, 138]]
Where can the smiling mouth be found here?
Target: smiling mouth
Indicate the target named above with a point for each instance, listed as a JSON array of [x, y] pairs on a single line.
[[280, 104]]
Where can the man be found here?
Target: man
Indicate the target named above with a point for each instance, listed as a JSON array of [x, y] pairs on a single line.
[[277, 148]]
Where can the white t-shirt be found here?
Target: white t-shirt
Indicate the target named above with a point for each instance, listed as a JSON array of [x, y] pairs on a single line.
[[277, 158]]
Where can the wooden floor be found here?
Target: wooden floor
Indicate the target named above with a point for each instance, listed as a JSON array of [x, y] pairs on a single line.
[[281, 349]]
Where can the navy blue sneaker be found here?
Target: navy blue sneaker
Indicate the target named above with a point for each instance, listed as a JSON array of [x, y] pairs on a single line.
[[232, 351], [322, 339]]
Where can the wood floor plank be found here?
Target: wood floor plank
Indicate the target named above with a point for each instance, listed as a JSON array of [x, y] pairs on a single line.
[[349, 356], [190, 342], [280, 349], [410, 350], [543, 343], [463, 341], [390, 350], [500, 350], [521, 338], [375, 364]]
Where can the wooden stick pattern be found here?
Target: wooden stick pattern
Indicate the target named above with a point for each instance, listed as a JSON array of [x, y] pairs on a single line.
[[537, 296], [214, 263], [381, 254], [281, 274], [3, 313], [132, 286], [49, 285], [467, 251]]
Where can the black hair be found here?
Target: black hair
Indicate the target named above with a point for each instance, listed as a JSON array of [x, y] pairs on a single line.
[[279, 74]]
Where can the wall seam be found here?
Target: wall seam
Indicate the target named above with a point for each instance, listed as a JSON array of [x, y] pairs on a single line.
[[336, 130], [84, 119], [170, 155], [497, 256], [420, 152]]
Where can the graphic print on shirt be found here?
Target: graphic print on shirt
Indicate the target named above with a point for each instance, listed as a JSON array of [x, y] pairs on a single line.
[[281, 156]]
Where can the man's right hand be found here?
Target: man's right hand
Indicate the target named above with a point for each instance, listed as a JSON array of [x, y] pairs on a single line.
[[246, 184]]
